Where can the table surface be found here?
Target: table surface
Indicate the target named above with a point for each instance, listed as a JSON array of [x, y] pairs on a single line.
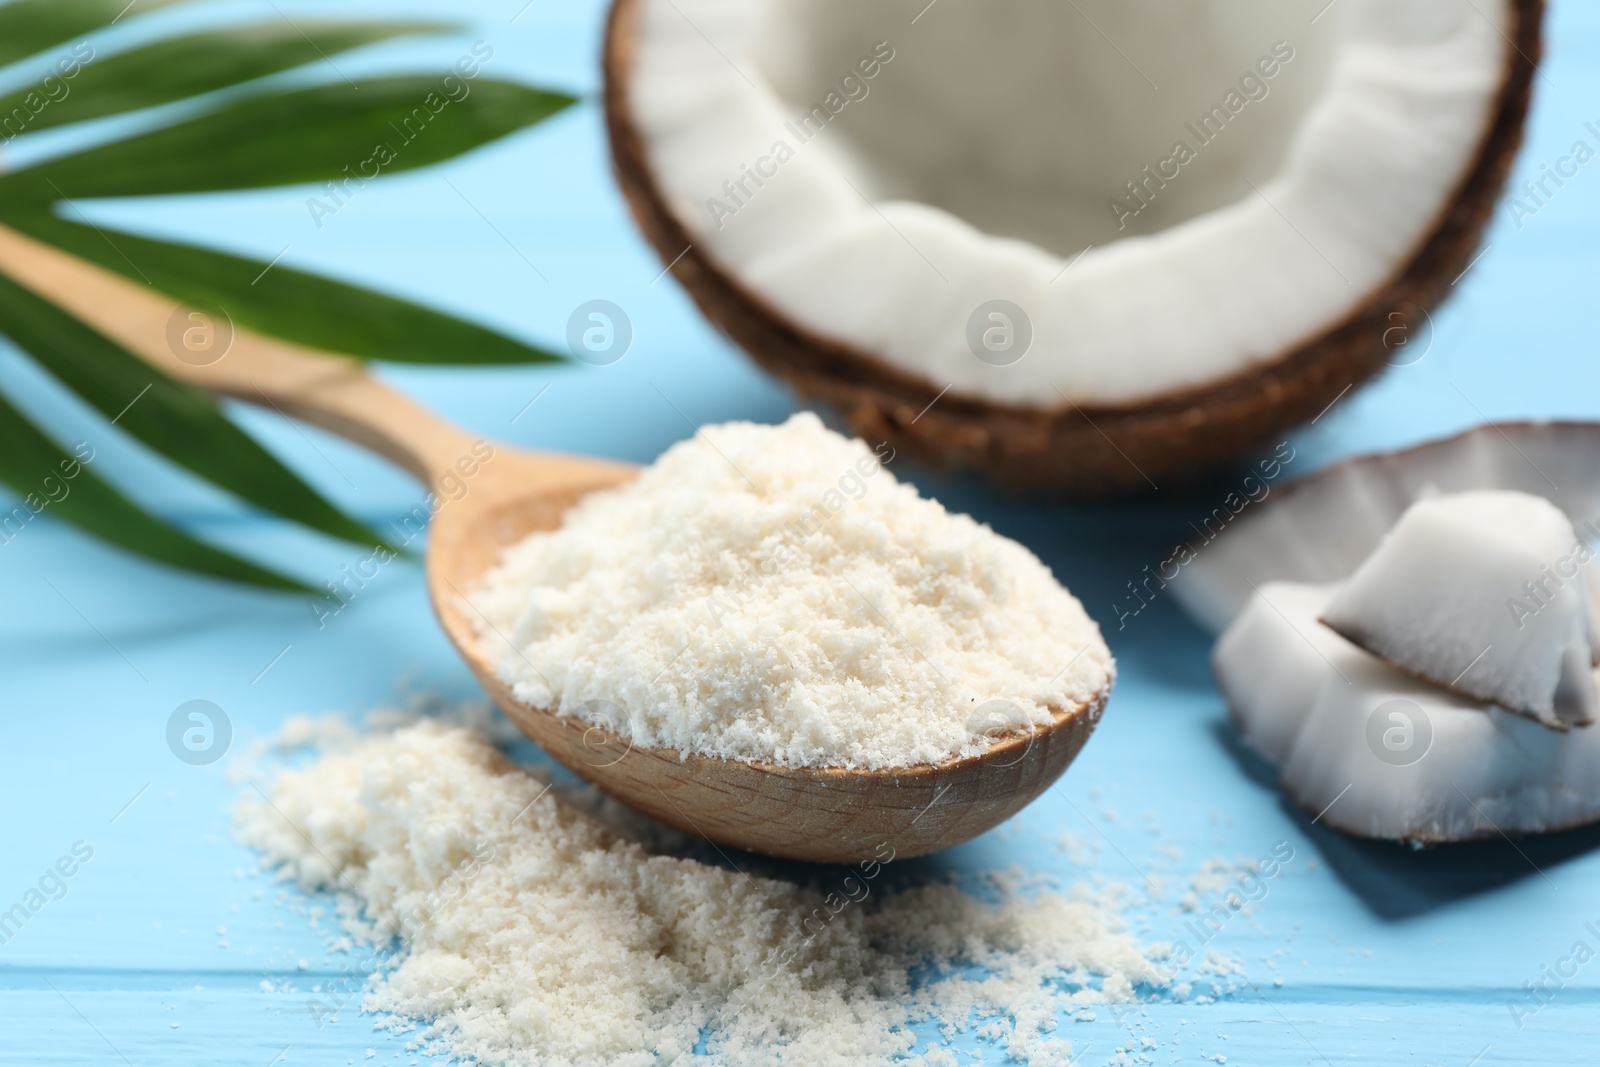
[[158, 951]]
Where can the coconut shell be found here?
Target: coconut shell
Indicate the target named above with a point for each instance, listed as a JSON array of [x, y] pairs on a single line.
[[1089, 451]]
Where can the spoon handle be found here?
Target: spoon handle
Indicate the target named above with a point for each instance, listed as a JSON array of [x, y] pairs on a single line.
[[333, 392]]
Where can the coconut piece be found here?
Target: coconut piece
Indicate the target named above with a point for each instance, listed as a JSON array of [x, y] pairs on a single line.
[[1323, 527], [1269, 670], [1481, 592], [1377, 753], [1001, 213]]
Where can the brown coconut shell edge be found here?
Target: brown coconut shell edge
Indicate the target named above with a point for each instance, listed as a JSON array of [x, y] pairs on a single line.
[[1087, 451]]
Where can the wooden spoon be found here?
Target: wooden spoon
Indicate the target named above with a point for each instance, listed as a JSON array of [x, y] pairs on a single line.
[[485, 505]]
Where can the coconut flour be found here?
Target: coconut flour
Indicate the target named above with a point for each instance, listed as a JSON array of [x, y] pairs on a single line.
[[509, 928], [773, 593]]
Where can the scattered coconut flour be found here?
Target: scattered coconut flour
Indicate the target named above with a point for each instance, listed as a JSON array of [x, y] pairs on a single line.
[[509, 928], [772, 593]]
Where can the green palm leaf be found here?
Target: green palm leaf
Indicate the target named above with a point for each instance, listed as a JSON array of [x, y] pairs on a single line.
[[30, 26], [177, 420], [51, 482], [256, 137], [310, 310], [328, 133], [181, 67]]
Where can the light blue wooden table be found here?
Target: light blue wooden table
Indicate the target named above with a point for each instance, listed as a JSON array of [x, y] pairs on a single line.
[[157, 952]]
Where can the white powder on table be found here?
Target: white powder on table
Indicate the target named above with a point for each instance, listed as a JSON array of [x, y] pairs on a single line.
[[772, 593], [535, 937]]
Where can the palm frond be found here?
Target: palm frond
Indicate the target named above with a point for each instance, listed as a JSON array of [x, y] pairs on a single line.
[[327, 133], [55, 483], [182, 67], [28, 27], [176, 420], [332, 135], [304, 308]]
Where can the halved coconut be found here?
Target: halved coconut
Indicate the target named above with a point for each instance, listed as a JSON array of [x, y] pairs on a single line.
[[1377, 753], [1090, 246], [1486, 593]]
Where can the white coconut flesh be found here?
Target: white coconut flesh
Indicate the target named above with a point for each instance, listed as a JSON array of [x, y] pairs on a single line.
[[1271, 669], [873, 172], [1486, 592], [1322, 528], [1377, 753]]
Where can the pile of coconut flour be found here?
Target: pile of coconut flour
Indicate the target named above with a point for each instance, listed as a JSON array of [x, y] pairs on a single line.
[[772, 593], [531, 935]]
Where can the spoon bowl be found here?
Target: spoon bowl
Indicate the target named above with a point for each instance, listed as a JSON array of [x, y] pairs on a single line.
[[485, 497]]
